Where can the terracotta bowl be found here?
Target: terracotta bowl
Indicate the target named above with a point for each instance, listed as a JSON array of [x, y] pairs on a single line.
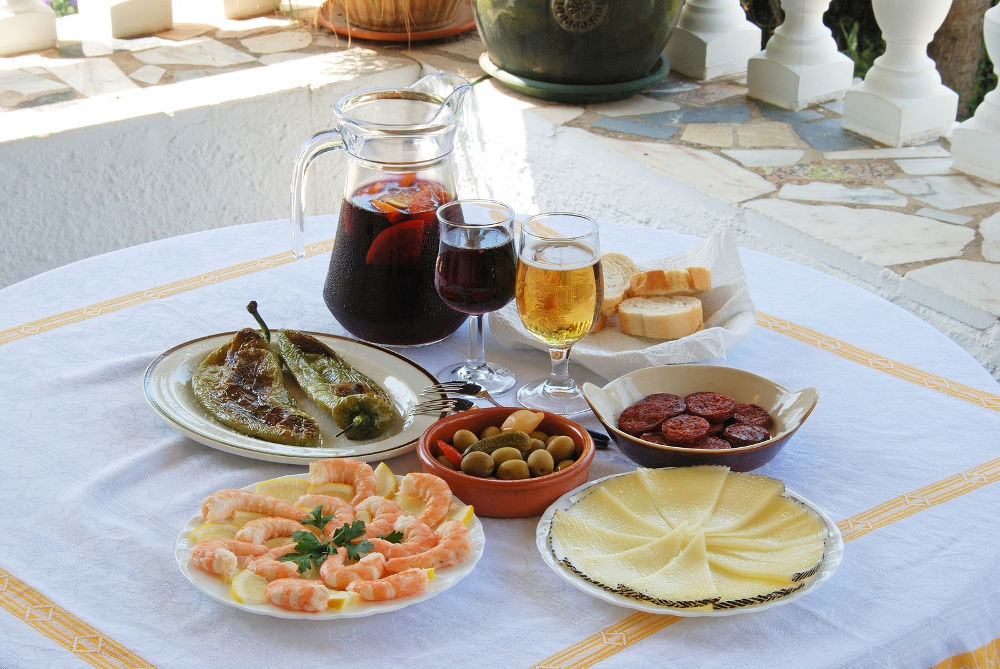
[[506, 499], [788, 411]]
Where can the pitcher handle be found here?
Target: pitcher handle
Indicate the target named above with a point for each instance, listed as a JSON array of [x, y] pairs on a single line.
[[318, 144]]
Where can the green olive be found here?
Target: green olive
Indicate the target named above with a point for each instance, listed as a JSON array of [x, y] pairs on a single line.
[[540, 463], [505, 453], [489, 432], [536, 445], [477, 463], [513, 470], [463, 439], [445, 461], [539, 435], [562, 448], [564, 464]]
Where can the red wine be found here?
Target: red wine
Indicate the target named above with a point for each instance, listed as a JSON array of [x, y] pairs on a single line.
[[476, 280], [380, 284]]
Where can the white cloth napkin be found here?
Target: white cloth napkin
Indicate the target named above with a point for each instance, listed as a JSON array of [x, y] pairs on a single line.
[[729, 315]]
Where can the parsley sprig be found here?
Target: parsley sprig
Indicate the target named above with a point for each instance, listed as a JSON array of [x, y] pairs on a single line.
[[311, 551]]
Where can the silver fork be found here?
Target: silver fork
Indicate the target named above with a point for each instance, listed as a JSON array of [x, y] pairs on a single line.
[[444, 404], [460, 388]]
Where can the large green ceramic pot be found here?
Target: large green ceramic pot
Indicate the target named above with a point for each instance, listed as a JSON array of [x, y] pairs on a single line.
[[577, 42]]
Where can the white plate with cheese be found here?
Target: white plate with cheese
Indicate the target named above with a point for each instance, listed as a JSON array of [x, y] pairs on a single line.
[[637, 529]]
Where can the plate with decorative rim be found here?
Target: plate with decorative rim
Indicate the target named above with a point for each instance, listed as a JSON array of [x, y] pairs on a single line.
[[167, 386], [218, 589], [832, 555]]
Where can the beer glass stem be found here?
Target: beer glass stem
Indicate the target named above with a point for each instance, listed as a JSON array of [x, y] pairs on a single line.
[[559, 380], [477, 343]]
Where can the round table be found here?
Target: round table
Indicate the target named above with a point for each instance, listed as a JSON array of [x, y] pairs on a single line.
[[900, 451]]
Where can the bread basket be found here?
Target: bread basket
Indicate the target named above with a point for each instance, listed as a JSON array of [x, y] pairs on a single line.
[[396, 16]]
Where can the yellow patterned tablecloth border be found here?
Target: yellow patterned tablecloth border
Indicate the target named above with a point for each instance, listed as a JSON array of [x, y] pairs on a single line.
[[63, 628], [639, 626], [880, 363]]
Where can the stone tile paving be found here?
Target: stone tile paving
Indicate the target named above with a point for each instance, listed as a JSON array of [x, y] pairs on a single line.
[[904, 211]]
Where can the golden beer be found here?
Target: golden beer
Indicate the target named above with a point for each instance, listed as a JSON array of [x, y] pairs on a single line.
[[558, 291]]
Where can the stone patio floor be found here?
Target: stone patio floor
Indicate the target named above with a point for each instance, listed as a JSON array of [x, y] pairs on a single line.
[[900, 222]]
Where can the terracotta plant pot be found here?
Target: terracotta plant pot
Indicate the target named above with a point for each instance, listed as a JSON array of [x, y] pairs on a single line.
[[396, 16], [578, 42]]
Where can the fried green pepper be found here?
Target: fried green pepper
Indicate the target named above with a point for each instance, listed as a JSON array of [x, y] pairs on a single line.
[[361, 408], [241, 384]]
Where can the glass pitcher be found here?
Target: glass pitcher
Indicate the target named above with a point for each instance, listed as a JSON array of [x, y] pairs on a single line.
[[380, 285]]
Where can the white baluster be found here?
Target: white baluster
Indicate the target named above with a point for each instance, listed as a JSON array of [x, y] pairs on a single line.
[[801, 65], [713, 38], [902, 100], [26, 25], [245, 9], [126, 18], [975, 144]]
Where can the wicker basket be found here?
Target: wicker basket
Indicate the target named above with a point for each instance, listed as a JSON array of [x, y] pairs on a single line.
[[397, 16]]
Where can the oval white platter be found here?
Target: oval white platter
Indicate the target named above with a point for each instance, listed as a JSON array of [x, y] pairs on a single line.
[[217, 589], [832, 557], [167, 386]]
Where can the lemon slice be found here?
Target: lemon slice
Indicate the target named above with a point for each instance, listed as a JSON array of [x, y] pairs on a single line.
[[340, 599], [212, 531], [411, 506], [241, 518], [460, 511], [278, 541], [287, 488], [341, 490], [385, 481], [248, 587]]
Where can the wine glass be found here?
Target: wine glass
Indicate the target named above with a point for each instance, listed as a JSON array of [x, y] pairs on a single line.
[[558, 291], [474, 274]]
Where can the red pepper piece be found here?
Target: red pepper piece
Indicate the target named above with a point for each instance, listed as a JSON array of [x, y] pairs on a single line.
[[450, 452]]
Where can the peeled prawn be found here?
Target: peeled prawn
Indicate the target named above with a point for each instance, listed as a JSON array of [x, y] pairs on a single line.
[[260, 530], [341, 510], [337, 575], [453, 547], [358, 474], [417, 538], [224, 556], [270, 567], [220, 505], [409, 582], [298, 594], [433, 490], [379, 515]]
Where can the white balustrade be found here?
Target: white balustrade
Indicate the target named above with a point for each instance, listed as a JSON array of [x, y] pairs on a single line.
[[975, 144], [801, 65], [245, 9], [713, 38], [26, 25], [126, 18], [902, 101]]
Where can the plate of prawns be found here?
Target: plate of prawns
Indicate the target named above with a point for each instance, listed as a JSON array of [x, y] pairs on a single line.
[[379, 544]]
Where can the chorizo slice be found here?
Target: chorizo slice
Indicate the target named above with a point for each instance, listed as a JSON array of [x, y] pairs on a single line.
[[674, 403], [741, 434], [685, 430], [654, 437], [752, 414], [713, 407], [641, 417]]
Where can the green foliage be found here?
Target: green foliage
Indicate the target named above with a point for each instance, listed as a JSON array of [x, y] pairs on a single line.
[[63, 7]]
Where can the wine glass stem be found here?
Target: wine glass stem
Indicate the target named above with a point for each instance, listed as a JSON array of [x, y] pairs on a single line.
[[559, 379], [477, 343]]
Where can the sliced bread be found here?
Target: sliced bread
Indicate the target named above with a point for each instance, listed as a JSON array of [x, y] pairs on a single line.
[[660, 317], [670, 282], [617, 269]]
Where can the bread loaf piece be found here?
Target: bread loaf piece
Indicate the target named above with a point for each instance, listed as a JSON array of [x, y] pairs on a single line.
[[670, 282], [617, 269], [660, 317]]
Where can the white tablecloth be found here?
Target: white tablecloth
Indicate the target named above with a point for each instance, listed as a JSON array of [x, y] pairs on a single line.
[[901, 450]]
